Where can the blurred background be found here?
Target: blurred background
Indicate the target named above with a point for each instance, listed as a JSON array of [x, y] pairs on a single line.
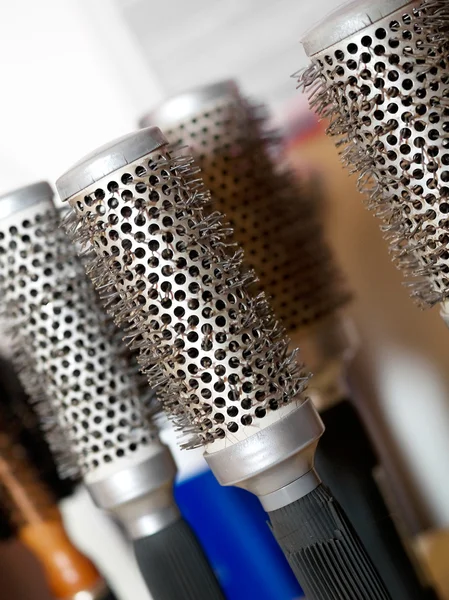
[[77, 73]]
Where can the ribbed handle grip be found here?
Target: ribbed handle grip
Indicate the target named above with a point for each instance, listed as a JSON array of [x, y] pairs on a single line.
[[345, 459], [324, 551], [175, 567]]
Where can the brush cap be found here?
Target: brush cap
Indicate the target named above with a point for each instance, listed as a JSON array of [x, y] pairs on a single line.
[[25, 197], [187, 105], [348, 20], [107, 159]]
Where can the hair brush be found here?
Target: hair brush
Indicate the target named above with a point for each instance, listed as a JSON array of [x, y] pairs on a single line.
[[279, 228], [95, 393], [230, 383], [380, 73], [31, 507]]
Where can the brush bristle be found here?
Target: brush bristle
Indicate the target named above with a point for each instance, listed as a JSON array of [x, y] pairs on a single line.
[[385, 92], [170, 274], [58, 323], [278, 226]]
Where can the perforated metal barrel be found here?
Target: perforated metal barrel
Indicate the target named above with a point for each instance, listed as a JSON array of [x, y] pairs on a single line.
[[56, 318], [277, 223], [223, 360], [380, 73]]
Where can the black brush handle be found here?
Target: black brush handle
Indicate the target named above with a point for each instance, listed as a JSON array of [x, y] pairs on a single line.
[[174, 565], [345, 460], [324, 551]]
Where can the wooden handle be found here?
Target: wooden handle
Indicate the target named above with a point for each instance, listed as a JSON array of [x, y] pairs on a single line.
[[68, 571]]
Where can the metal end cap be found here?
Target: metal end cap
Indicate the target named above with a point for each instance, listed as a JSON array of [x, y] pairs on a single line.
[[347, 20], [107, 159], [188, 104], [24, 197]]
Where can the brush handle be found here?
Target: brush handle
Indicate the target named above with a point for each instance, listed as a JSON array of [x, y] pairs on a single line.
[[174, 565], [324, 551], [345, 460], [68, 570]]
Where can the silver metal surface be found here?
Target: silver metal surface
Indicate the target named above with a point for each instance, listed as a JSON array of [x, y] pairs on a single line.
[[273, 458], [277, 223], [75, 350], [141, 496], [385, 91], [292, 491], [189, 104], [107, 159], [348, 20], [220, 355], [24, 197]]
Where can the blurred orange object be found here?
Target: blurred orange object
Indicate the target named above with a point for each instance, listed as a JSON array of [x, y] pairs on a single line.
[[68, 571], [16, 560], [39, 524]]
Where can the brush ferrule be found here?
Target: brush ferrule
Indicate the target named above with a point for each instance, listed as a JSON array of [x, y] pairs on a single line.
[[276, 463], [141, 495]]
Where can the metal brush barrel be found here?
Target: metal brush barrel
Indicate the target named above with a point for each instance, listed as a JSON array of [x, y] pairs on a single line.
[[273, 219], [280, 229], [380, 73], [171, 275], [195, 325], [276, 222], [85, 371]]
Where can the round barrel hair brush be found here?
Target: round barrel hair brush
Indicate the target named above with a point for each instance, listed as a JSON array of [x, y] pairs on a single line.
[[28, 501], [380, 73], [278, 224], [86, 373], [230, 383]]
